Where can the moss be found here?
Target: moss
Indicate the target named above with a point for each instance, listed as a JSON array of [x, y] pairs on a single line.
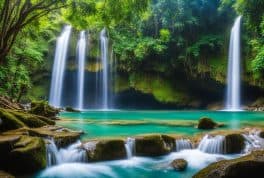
[[9, 121], [247, 166], [152, 145], [63, 137], [107, 150], [22, 154], [206, 123], [234, 143], [44, 109]]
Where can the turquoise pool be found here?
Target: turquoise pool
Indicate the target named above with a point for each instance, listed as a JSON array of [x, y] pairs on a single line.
[[98, 124]]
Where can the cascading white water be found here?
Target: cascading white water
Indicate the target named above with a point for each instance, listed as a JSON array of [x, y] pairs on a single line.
[[130, 147], [253, 141], [233, 102], [59, 67], [81, 50], [183, 144], [73, 153], [214, 145], [105, 65]]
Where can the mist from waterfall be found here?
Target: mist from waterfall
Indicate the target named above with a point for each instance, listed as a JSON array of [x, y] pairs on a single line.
[[59, 67], [81, 52], [233, 101], [105, 65]]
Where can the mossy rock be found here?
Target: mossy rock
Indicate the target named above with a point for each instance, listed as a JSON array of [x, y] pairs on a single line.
[[23, 156], [62, 136], [106, 150], [234, 143], [206, 123], [179, 164], [4, 174], [70, 109], [13, 119], [247, 166], [44, 109], [9, 121], [154, 145]]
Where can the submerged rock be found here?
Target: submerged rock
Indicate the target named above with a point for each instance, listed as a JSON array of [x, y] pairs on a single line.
[[44, 109], [179, 164], [234, 143], [154, 145], [105, 150], [206, 123], [22, 154], [248, 166]]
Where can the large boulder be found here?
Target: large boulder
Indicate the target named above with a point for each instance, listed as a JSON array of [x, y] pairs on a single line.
[[44, 109], [248, 166], [22, 155], [261, 134], [234, 143], [179, 164], [206, 123], [154, 145], [105, 150]]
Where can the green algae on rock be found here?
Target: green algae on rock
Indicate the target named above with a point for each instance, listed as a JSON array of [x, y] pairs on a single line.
[[251, 165], [104, 150], [154, 145], [22, 154], [44, 109]]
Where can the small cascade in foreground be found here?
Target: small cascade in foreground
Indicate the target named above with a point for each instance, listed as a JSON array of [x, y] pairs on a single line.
[[105, 65], [233, 102], [130, 147], [183, 144], [214, 145], [73, 153], [81, 51], [253, 141], [59, 67]]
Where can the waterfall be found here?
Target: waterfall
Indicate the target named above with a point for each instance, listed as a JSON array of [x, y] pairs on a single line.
[[234, 69], [183, 144], [73, 153], [130, 147], [105, 65], [59, 67], [81, 51], [214, 145]]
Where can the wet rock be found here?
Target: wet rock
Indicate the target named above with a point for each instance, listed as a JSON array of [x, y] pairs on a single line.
[[44, 109], [105, 150], [154, 145], [234, 143], [22, 154], [248, 166], [70, 109], [13, 119], [179, 164], [261, 134], [62, 136], [6, 175], [206, 123]]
